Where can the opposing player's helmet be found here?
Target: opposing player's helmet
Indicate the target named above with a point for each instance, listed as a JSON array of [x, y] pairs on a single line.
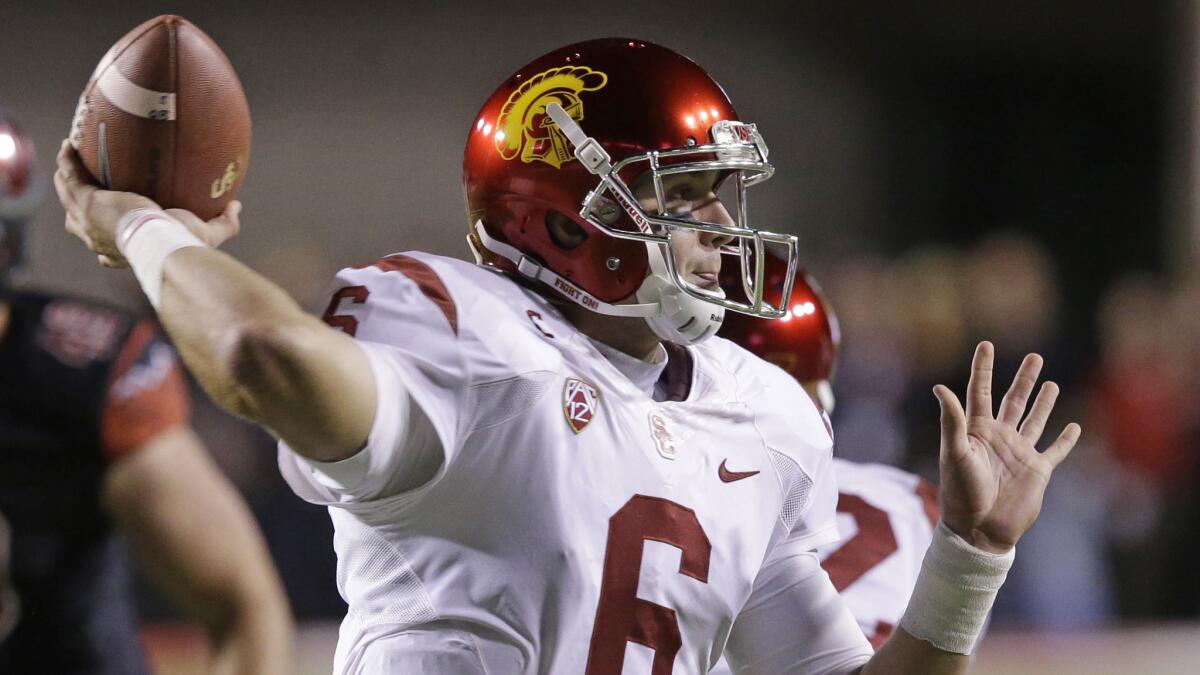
[[568, 135], [804, 342], [19, 191]]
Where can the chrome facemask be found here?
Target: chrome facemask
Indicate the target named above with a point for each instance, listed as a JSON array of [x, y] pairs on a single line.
[[735, 147]]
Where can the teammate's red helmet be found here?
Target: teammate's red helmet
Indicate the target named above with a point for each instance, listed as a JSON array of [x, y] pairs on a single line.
[[804, 342], [16, 166], [570, 133], [19, 191]]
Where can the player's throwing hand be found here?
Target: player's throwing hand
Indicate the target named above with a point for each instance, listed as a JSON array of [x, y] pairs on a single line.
[[93, 213], [992, 475]]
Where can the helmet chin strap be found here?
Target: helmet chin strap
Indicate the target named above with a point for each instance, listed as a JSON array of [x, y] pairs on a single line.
[[532, 269], [681, 318], [672, 314]]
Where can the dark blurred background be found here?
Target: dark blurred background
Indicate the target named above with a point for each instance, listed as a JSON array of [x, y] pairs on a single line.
[[1023, 171]]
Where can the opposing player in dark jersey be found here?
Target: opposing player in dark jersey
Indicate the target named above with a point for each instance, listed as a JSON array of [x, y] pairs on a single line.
[[94, 441]]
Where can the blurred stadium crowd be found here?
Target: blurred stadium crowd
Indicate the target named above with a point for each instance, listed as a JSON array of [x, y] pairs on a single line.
[[1120, 525]]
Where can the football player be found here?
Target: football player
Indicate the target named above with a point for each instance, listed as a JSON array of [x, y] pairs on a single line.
[[886, 516], [544, 464], [94, 441]]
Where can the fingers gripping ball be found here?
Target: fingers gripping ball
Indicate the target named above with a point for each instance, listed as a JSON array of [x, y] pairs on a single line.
[[164, 115]]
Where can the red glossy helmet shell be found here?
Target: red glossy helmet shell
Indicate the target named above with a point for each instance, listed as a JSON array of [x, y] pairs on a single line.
[[18, 199], [633, 97], [806, 343]]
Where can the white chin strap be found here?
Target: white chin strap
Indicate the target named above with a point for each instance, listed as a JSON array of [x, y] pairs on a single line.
[[681, 317], [672, 314]]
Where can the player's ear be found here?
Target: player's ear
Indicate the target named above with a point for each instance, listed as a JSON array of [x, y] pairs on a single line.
[[564, 232]]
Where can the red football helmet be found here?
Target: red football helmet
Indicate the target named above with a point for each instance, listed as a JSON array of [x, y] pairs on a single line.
[[570, 133], [804, 342], [20, 191]]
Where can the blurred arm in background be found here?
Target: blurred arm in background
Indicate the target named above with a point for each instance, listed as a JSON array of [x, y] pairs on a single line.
[[190, 530], [194, 536]]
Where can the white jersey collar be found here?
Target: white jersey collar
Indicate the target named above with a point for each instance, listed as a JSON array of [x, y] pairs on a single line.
[[643, 374]]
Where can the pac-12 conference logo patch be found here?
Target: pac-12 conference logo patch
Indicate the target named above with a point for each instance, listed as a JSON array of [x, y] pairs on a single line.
[[581, 402]]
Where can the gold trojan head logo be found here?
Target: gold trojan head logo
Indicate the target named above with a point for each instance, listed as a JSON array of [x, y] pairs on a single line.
[[525, 130]]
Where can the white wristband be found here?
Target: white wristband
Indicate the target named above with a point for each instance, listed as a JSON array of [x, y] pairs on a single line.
[[146, 237], [954, 592]]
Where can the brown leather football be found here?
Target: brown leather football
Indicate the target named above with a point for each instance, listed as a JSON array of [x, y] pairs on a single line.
[[164, 115]]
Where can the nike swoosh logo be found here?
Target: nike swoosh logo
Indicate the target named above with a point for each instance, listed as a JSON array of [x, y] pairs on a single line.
[[728, 476]]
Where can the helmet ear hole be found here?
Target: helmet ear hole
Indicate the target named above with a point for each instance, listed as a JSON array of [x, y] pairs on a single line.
[[564, 232]]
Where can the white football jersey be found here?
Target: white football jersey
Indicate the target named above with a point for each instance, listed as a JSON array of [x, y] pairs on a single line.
[[575, 525], [886, 517]]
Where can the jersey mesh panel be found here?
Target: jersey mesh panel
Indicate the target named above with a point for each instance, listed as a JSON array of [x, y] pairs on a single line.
[[796, 486], [493, 403], [384, 590]]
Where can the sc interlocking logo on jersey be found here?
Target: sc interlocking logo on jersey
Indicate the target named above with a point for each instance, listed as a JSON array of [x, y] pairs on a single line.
[[523, 128], [663, 439], [581, 402]]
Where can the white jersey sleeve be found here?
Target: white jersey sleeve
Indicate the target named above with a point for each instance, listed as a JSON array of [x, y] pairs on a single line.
[[817, 524], [401, 313], [795, 624], [797, 439], [801, 448], [886, 517], [793, 621]]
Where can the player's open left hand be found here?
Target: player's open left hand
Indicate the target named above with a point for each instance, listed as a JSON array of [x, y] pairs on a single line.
[[93, 213], [992, 475]]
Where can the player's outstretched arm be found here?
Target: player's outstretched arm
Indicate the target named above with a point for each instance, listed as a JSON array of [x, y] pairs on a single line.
[[251, 347], [993, 480], [194, 536]]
